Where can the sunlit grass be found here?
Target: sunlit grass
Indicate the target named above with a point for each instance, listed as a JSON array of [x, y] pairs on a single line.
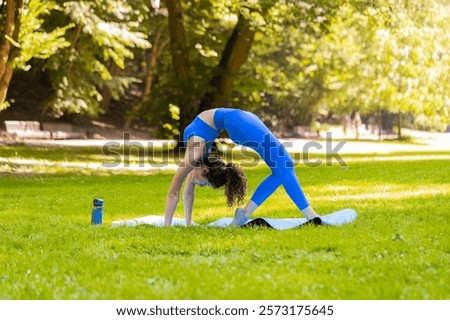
[[398, 248], [144, 160]]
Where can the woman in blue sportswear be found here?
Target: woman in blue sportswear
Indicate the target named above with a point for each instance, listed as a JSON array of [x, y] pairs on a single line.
[[200, 168]]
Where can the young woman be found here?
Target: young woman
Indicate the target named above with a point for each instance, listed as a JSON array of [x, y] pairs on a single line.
[[197, 168]]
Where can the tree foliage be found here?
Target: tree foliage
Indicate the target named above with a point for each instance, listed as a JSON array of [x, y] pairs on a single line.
[[104, 34], [391, 55], [290, 61], [34, 40]]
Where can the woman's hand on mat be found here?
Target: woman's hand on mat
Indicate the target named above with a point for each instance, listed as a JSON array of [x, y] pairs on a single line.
[[239, 217]]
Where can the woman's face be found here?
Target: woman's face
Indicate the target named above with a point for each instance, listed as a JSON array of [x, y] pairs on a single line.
[[198, 178]]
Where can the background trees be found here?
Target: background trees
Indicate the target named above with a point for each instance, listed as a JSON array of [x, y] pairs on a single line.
[[23, 38], [293, 62], [391, 56]]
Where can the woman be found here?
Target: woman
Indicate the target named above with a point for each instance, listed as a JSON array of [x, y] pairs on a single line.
[[245, 129]]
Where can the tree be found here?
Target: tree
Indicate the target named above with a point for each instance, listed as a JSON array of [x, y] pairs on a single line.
[[233, 57], [224, 53], [180, 61], [8, 52], [216, 89], [160, 39], [25, 38], [287, 81], [287, 60], [387, 56], [104, 33]]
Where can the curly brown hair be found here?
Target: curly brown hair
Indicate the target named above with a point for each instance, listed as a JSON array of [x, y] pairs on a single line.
[[229, 175]]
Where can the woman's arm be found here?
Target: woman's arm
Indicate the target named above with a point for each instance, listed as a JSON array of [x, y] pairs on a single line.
[[195, 151], [188, 199]]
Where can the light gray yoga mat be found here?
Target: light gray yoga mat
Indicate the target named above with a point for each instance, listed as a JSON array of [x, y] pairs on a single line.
[[333, 219]]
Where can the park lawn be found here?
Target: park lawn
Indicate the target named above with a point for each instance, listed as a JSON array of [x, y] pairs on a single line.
[[398, 248], [150, 155]]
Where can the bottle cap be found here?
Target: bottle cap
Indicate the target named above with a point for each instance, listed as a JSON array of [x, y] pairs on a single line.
[[98, 202]]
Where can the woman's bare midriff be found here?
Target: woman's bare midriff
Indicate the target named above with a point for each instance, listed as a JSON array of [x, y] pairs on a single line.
[[208, 117]]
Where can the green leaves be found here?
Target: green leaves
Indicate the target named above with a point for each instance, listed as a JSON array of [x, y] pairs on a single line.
[[34, 41], [387, 54], [99, 40], [116, 38], [307, 57], [4, 105]]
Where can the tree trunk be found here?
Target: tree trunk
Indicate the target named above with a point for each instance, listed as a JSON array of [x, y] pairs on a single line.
[[45, 106], [399, 124], [180, 60], [234, 56], [8, 52], [380, 124], [157, 48]]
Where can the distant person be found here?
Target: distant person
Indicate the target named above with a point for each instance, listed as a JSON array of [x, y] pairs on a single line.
[[201, 169], [346, 123], [356, 123]]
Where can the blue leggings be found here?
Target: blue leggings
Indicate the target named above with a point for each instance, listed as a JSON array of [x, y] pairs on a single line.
[[248, 130], [290, 183]]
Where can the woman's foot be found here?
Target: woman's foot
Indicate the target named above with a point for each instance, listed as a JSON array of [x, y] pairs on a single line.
[[309, 213], [239, 217]]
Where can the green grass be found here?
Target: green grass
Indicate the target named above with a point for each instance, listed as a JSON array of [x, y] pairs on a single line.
[[398, 248]]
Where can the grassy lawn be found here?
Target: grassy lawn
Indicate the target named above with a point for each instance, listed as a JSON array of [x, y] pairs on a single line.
[[398, 248]]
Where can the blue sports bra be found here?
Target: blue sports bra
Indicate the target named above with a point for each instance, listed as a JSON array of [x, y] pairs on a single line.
[[200, 128]]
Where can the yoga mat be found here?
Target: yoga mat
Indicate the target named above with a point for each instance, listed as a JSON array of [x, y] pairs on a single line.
[[333, 219]]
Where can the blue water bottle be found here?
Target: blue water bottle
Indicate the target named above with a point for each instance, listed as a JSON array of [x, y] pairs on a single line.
[[97, 212]]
